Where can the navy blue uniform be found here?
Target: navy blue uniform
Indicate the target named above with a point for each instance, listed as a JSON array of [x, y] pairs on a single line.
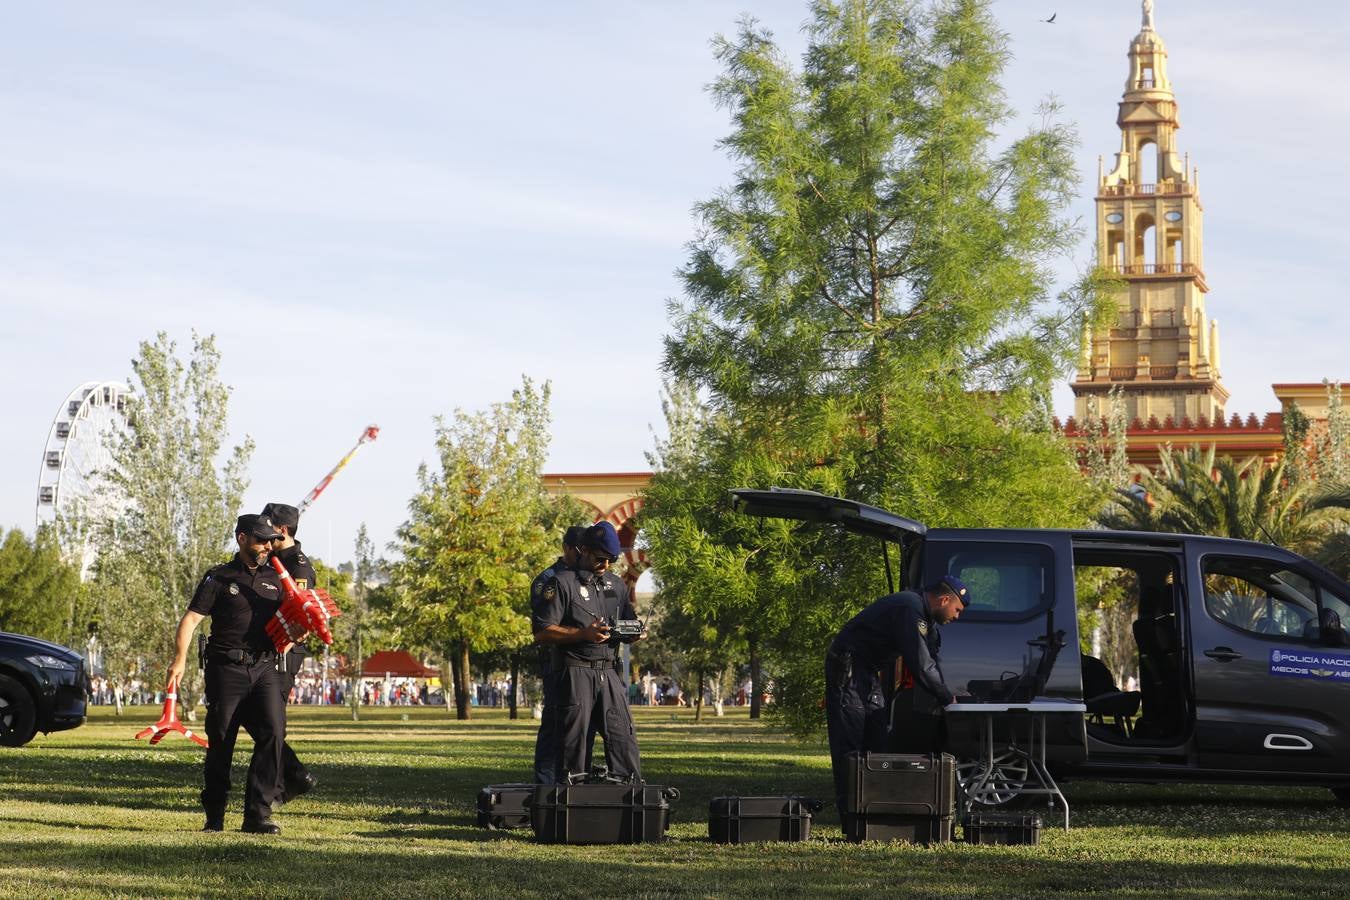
[[546, 741], [293, 772], [591, 693], [855, 711], [242, 684]]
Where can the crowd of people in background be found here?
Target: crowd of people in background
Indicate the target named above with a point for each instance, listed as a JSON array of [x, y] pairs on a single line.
[[649, 690]]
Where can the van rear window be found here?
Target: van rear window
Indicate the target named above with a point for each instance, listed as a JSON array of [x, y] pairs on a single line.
[[1008, 582]]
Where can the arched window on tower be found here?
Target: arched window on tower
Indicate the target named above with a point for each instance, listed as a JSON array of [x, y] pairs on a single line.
[[1145, 243], [1146, 77], [1174, 255], [1115, 250], [1148, 166]]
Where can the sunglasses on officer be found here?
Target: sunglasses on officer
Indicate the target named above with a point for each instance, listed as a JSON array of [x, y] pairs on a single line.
[[600, 555]]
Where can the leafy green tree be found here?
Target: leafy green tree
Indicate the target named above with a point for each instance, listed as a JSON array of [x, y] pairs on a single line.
[[40, 591], [735, 575], [357, 617], [474, 539], [1106, 456], [180, 491], [1331, 456], [706, 650], [868, 311]]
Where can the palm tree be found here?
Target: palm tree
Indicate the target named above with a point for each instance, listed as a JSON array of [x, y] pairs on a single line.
[[1197, 492], [1334, 549]]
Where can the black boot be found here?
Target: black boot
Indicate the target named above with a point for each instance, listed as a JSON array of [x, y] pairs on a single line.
[[215, 820], [298, 786], [260, 826]]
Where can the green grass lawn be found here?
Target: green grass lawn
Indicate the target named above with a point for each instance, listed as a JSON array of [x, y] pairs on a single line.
[[92, 812]]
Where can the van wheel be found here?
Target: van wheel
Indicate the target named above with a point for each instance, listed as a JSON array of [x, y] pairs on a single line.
[[1342, 794], [18, 719], [1001, 788]]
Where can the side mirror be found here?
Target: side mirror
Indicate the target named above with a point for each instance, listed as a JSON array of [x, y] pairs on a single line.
[[1333, 635]]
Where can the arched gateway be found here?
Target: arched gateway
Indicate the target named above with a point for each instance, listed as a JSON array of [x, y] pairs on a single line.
[[613, 497]]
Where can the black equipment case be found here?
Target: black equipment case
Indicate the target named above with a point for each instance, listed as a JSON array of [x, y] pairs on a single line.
[[504, 806], [601, 813], [1001, 828], [900, 797], [741, 820]]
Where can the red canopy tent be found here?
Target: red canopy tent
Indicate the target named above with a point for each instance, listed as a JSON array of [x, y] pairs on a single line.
[[398, 664]]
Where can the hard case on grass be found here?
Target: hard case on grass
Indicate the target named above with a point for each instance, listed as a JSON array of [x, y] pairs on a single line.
[[505, 806], [742, 820], [601, 813], [900, 797], [1001, 828]]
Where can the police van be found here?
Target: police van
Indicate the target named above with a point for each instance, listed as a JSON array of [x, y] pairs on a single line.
[[1241, 661]]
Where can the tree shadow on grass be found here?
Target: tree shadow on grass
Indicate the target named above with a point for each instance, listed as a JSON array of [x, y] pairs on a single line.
[[216, 865]]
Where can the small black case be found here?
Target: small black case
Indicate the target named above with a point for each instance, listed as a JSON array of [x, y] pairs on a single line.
[[601, 813], [1001, 828], [742, 820], [505, 806]]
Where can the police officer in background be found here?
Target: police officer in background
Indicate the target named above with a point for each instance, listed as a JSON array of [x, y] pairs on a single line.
[[576, 612], [295, 778], [546, 741], [242, 681], [905, 625]]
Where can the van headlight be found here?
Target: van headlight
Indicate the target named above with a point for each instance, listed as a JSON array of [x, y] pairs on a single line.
[[47, 661]]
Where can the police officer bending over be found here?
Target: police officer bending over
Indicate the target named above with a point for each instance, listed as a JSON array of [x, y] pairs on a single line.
[[296, 779], [242, 681], [905, 625], [546, 741], [577, 611]]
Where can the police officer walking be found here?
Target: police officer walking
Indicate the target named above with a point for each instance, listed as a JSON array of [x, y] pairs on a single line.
[[905, 625], [242, 681], [296, 779], [546, 741], [577, 611]]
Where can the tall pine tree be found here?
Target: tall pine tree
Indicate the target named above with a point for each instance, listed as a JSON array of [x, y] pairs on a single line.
[[869, 309]]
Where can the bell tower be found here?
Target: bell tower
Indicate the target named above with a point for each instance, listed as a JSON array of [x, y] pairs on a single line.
[[1163, 350]]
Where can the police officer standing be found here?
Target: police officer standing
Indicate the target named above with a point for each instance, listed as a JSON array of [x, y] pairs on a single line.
[[905, 625], [546, 742], [242, 681], [577, 610], [296, 779]]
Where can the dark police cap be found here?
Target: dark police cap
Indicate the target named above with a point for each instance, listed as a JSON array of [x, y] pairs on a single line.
[[602, 537], [572, 536], [259, 527], [950, 584], [282, 514]]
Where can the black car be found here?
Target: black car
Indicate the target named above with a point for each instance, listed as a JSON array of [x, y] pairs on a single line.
[[1243, 666], [43, 687]]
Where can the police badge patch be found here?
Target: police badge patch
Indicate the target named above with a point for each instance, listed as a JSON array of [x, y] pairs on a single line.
[[550, 591], [923, 627], [302, 583], [234, 588], [585, 594]]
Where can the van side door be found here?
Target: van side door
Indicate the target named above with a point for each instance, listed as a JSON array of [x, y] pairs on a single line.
[[1271, 692]]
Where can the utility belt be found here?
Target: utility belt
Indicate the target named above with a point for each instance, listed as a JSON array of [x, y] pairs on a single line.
[[844, 664], [244, 657], [591, 663]]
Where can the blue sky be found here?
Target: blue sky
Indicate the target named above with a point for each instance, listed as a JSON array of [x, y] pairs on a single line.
[[401, 208]]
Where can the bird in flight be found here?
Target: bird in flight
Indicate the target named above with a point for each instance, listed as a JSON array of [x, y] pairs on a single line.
[[1051, 20]]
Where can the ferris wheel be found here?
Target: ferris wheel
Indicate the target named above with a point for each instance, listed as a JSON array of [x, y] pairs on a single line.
[[77, 456]]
